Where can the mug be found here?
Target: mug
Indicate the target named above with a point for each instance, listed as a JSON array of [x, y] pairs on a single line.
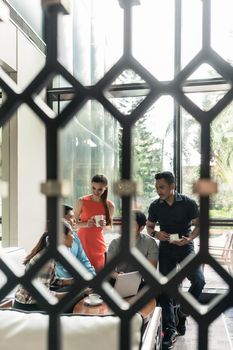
[[174, 237], [97, 219], [94, 298]]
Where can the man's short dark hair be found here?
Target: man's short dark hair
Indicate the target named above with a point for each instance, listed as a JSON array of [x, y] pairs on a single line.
[[140, 218], [66, 209], [167, 176]]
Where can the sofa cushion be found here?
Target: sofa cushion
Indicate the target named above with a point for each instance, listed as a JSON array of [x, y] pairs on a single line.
[[22, 329]]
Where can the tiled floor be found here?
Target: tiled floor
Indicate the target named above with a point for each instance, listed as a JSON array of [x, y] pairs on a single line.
[[219, 338], [228, 319], [221, 328]]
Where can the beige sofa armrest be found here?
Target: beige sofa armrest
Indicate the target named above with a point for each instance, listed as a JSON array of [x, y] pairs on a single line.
[[152, 336], [20, 330]]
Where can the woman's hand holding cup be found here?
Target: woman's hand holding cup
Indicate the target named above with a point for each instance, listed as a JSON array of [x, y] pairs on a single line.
[[100, 221], [91, 222]]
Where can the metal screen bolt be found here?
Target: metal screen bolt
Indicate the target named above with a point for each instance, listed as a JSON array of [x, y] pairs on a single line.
[[125, 188], [53, 188], [205, 187], [62, 5]]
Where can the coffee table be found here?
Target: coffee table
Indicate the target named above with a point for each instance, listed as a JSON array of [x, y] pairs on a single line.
[[81, 308]]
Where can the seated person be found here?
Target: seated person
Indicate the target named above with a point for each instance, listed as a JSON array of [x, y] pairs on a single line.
[[144, 243], [76, 249], [23, 299]]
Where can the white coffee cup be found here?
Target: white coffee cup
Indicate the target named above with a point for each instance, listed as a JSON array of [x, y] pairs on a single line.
[[174, 237], [94, 298], [97, 219]]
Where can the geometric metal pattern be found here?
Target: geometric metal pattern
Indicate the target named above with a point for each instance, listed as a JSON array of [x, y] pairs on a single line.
[[157, 283]]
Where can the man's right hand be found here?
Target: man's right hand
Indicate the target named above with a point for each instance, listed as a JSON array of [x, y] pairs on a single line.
[[162, 236]]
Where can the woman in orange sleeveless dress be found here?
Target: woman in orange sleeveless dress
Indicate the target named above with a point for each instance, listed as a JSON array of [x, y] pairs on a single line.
[[90, 227]]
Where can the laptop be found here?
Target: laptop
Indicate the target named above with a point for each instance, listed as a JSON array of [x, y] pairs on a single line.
[[127, 284]]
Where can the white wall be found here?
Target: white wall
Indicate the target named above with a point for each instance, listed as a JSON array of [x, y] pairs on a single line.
[[27, 146], [8, 52], [31, 11]]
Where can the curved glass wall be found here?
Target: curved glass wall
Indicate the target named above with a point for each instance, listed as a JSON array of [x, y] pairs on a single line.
[[167, 136], [89, 145], [96, 43], [95, 29], [222, 163], [150, 19], [153, 139]]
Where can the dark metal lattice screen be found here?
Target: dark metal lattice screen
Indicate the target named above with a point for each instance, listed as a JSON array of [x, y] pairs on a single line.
[[14, 99]]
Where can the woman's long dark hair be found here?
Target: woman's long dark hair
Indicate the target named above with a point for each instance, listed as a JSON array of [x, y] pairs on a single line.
[[103, 180], [42, 243]]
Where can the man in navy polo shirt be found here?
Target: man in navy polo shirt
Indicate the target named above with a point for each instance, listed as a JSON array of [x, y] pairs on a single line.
[[175, 214]]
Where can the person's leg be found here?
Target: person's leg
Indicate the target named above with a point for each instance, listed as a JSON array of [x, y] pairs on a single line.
[[196, 277], [166, 265], [197, 281]]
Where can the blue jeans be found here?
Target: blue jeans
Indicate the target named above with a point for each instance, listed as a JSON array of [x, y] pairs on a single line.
[[169, 256]]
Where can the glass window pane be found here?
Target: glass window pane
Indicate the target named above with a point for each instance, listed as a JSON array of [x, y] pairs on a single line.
[[222, 163], [153, 141], [204, 71], [222, 28], [153, 26], [89, 145], [97, 38], [205, 100], [124, 94], [191, 157], [191, 30]]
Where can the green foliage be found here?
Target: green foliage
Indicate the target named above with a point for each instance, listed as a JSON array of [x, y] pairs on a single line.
[[147, 150], [221, 213], [148, 159], [147, 155], [221, 160]]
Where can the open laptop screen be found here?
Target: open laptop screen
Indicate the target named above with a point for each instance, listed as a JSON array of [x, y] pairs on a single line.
[[127, 284]]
